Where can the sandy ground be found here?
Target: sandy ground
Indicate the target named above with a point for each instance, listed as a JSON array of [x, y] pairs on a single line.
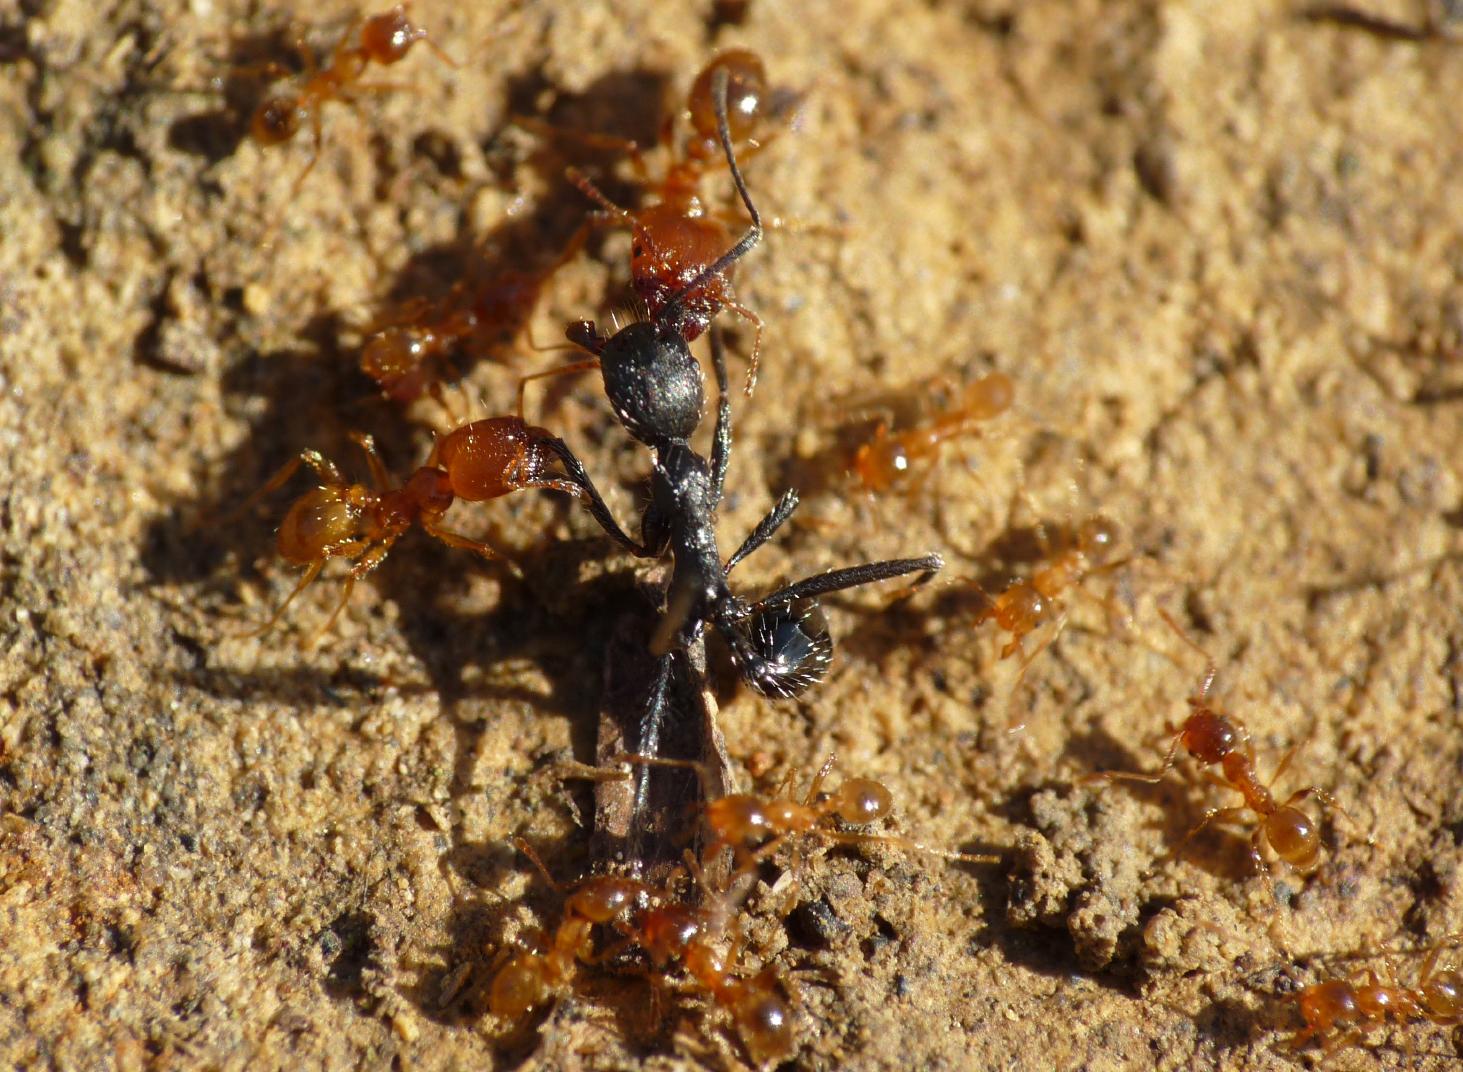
[[1218, 248]]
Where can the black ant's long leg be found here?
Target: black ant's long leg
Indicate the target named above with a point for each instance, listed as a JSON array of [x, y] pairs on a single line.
[[651, 720], [594, 502], [721, 440], [671, 311], [849, 577], [774, 520]]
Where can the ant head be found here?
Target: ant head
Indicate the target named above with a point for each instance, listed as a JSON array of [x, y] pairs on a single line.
[[786, 649], [652, 381]]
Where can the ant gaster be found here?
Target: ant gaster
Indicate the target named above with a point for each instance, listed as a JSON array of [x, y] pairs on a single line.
[[780, 644], [1212, 737]]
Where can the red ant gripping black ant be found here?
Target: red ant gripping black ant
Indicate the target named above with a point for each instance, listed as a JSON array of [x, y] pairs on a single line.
[[1212, 737], [676, 238], [475, 462], [780, 644], [384, 39]]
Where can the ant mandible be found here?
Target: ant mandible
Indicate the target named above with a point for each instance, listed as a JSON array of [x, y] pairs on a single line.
[[887, 457], [1341, 1011], [1211, 737], [385, 39], [674, 239], [475, 462]]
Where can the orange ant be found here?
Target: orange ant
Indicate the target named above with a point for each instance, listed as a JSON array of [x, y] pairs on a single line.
[[475, 462], [675, 239], [887, 457], [384, 39], [1212, 737], [530, 978], [666, 932], [1026, 605], [404, 347], [1342, 1011], [754, 826]]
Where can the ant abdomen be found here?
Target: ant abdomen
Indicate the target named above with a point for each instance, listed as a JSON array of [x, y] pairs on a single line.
[[1294, 837], [746, 85], [519, 986], [862, 800], [789, 650], [277, 120], [321, 518]]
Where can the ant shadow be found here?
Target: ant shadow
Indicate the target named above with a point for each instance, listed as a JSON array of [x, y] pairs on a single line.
[[215, 135]]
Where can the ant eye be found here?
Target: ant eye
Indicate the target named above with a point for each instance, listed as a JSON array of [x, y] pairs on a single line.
[[790, 650]]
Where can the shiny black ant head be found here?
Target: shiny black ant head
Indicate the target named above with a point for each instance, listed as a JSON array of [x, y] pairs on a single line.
[[653, 382], [785, 649]]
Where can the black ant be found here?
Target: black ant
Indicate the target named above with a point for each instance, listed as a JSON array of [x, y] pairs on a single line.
[[385, 39], [780, 643]]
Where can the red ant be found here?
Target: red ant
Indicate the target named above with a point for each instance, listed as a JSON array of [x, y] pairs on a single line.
[[667, 933], [530, 978], [405, 346], [887, 457], [1026, 605], [754, 826], [1212, 737], [384, 39], [675, 239], [475, 462], [1342, 1011]]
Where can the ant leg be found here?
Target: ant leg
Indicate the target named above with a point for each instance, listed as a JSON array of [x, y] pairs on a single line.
[[721, 440], [757, 327], [1222, 815], [373, 459], [453, 539], [317, 126], [1320, 794], [304, 582], [818, 779], [774, 520], [849, 577], [1282, 766], [1169, 759], [648, 743], [594, 502], [853, 837], [562, 370]]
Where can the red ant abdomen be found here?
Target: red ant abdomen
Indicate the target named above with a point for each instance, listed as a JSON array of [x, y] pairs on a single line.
[[320, 518]]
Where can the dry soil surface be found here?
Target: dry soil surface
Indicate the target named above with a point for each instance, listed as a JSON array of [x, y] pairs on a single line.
[[1217, 247]]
